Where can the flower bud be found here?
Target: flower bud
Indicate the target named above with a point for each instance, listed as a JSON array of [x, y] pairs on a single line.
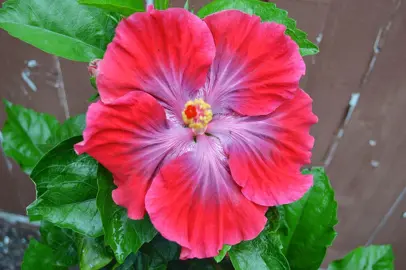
[[93, 67]]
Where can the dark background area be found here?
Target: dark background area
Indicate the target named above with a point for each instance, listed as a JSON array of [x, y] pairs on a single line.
[[363, 146]]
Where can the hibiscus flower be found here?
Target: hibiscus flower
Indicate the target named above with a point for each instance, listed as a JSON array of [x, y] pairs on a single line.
[[202, 124]]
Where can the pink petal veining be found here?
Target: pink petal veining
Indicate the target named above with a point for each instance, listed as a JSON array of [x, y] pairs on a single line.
[[194, 202], [266, 153], [201, 191], [131, 139], [257, 66], [164, 53]]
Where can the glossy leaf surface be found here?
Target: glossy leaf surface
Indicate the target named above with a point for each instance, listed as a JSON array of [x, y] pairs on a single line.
[[62, 242], [264, 252], [66, 190], [371, 258], [122, 234], [124, 7], [39, 256], [161, 4], [70, 128], [63, 28], [307, 227], [93, 254], [223, 253], [24, 133]]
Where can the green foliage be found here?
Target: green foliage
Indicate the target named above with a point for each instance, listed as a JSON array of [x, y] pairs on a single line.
[[62, 248], [62, 243], [264, 252], [154, 255], [94, 98], [24, 133], [93, 254], [200, 264], [122, 234], [28, 135], [308, 224], [371, 258], [93, 82], [124, 7], [74, 192], [161, 4], [297, 234], [56, 251], [186, 6], [39, 256], [81, 225], [66, 190], [268, 13], [72, 127], [63, 28], [222, 253]]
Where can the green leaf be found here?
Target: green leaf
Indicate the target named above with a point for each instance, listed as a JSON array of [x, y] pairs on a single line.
[[222, 253], [371, 258], [94, 98], [93, 254], [28, 135], [186, 6], [264, 252], [128, 264], [157, 254], [161, 4], [63, 28], [39, 256], [66, 190], [308, 224], [203, 264], [200, 264], [93, 82], [24, 133], [72, 127], [124, 7], [152, 256], [268, 12], [62, 242], [122, 234]]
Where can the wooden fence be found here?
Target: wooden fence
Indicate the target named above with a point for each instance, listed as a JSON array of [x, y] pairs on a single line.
[[358, 83]]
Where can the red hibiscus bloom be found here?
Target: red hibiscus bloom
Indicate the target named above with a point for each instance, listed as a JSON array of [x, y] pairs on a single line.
[[202, 124]]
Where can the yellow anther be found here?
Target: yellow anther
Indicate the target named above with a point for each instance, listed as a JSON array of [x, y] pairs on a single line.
[[197, 115]]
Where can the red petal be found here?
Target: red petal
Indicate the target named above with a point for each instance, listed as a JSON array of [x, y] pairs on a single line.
[[257, 66], [130, 194], [130, 138], [266, 153], [164, 53], [194, 202]]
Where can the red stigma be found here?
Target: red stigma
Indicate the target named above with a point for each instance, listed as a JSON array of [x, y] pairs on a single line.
[[191, 111]]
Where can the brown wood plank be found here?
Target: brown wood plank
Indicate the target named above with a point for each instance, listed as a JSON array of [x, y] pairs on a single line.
[[346, 49], [16, 189], [311, 17], [77, 85], [368, 178], [394, 232]]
